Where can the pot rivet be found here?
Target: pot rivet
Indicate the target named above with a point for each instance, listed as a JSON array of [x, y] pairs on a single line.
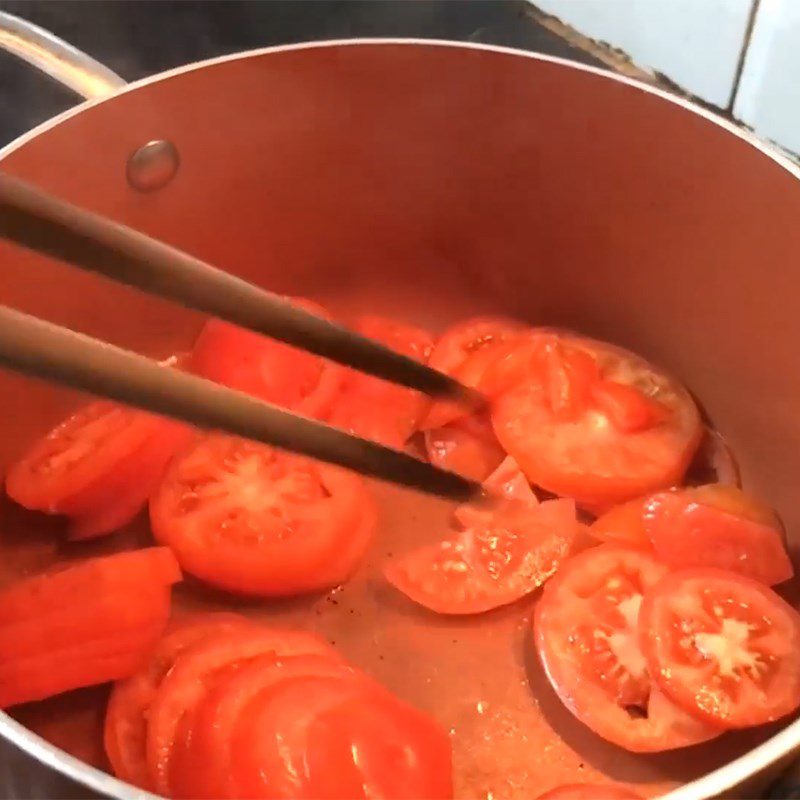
[[152, 166]]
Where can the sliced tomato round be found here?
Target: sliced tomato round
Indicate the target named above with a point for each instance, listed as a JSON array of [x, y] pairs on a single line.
[[589, 791], [723, 647], [587, 636], [717, 526], [336, 737], [601, 454], [467, 446], [266, 368], [74, 469], [206, 734], [498, 561], [376, 409], [78, 627], [466, 351], [194, 672], [125, 730], [254, 520]]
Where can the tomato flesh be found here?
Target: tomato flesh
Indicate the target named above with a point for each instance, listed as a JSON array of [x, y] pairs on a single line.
[[723, 647], [252, 519], [587, 636], [467, 446], [623, 524], [376, 409], [499, 560], [717, 526], [568, 445]]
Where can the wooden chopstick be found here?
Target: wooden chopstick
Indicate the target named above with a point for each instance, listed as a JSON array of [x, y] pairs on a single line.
[[39, 221], [59, 355]]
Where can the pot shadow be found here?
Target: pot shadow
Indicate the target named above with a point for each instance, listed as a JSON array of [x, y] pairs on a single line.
[[618, 764]]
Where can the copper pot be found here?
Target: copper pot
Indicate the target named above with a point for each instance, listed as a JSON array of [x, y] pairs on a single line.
[[431, 180]]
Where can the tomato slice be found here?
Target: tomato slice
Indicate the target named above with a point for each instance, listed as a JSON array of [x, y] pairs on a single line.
[[496, 562], [376, 409], [206, 735], [589, 791], [334, 737], [463, 351], [73, 469], [251, 519], [194, 671], [467, 446], [723, 647], [78, 627], [717, 526], [125, 729], [267, 368], [587, 636], [623, 524], [570, 446]]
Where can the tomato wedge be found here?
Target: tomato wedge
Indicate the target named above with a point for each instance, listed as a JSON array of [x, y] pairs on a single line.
[[467, 446], [718, 526], [376, 409], [499, 560], [194, 672], [723, 647], [587, 636], [623, 524], [125, 730], [206, 735], [267, 368], [466, 351], [589, 791], [99, 466], [254, 520], [571, 445], [78, 627]]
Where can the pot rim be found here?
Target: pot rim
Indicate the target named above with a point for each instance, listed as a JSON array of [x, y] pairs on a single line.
[[714, 783]]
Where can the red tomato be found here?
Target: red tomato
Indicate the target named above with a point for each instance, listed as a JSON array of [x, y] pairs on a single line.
[[497, 562], [192, 674], [568, 445], [589, 791], [252, 519], [99, 466], [723, 647], [125, 730], [587, 636], [467, 446], [337, 737], [203, 754], [376, 409], [717, 526], [78, 627], [267, 368], [465, 352], [623, 524]]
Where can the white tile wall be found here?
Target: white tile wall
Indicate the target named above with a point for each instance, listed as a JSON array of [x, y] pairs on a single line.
[[768, 98], [695, 43]]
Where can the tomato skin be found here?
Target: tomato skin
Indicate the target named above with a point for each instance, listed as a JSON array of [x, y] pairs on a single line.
[[723, 647], [264, 522], [497, 561], [376, 409], [589, 791], [78, 627], [125, 728], [587, 636], [266, 368], [717, 526], [467, 446], [586, 456]]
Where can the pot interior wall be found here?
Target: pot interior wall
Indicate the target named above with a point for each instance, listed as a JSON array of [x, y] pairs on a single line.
[[431, 182]]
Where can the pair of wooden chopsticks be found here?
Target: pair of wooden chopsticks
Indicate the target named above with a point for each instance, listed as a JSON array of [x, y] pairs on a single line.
[[39, 221]]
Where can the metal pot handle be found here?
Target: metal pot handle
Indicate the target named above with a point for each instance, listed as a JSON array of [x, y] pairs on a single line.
[[61, 61]]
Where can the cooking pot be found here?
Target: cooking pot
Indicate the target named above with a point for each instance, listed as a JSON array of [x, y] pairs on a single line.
[[427, 180]]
